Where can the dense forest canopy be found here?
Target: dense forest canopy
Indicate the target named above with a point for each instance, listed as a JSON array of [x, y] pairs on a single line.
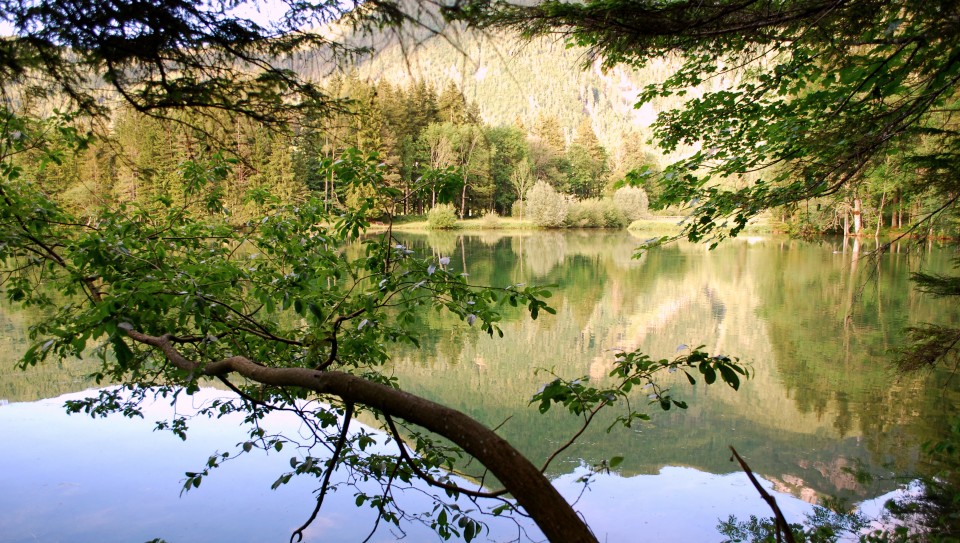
[[178, 197]]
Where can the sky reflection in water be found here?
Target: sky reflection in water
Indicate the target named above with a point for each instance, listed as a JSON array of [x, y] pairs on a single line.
[[77, 479], [819, 402]]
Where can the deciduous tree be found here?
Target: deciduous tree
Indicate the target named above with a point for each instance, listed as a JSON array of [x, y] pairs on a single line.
[[169, 295]]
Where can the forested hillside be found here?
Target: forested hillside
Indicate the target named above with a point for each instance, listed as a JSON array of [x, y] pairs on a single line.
[[525, 115], [516, 82], [473, 120]]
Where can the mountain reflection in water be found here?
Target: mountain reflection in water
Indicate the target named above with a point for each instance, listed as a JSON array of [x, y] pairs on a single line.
[[820, 409], [76, 479]]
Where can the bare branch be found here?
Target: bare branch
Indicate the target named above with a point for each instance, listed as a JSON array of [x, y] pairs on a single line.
[[427, 478], [331, 467], [781, 522]]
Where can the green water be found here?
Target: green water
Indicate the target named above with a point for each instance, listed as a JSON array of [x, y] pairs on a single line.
[[816, 325]]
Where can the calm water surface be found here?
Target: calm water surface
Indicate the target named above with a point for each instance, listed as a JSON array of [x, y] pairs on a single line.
[[816, 325]]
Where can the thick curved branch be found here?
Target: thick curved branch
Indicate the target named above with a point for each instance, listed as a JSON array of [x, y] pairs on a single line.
[[553, 515], [426, 476]]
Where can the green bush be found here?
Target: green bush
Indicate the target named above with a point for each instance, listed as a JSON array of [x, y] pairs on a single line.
[[442, 217], [633, 202], [613, 216], [490, 220], [596, 213], [545, 206], [517, 209]]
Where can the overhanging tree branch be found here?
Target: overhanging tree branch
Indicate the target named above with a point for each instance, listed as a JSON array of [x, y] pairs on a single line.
[[553, 515]]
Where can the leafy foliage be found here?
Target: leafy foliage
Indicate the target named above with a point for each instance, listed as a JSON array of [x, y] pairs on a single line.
[[818, 110], [807, 95], [160, 57], [545, 206], [636, 369], [823, 525], [632, 369], [299, 289], [442, 217]]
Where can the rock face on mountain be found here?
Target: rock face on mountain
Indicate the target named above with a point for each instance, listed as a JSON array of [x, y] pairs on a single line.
[[517, 82]]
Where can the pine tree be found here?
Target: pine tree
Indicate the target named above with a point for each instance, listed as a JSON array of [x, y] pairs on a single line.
[[588, 162], [452, 106], [547, 147]]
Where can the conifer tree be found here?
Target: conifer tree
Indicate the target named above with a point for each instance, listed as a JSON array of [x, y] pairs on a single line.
[[452, 106]]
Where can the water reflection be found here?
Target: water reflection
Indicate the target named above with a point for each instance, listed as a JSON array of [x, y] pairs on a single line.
[[82, 480], [821, 406]]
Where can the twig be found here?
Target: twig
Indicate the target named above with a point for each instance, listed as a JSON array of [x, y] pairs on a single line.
[[298, 533], [386, 492], [780, 521], [333, 337]]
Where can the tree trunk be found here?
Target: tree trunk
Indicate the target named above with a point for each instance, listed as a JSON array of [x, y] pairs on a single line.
[[857, 217], [883, 198], [553, 515], [328, 180]]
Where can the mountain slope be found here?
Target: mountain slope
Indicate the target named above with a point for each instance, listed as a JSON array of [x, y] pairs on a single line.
[[514, 81]]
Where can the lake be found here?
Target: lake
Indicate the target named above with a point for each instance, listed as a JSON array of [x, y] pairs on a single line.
[[822, 415]]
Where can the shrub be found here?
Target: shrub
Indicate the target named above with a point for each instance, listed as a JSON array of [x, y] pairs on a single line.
[[518, 209], [490, 220], [633, 202], [613, 216], [595, 213], [545, 206], [442, 217]]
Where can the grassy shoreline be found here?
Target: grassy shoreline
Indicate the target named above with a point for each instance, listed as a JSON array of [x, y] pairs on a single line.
[[661, 226]]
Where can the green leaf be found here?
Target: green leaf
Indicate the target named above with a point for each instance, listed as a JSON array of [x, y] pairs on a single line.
[[315, 311], [123, 353], [729, 376], [709, 374]]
